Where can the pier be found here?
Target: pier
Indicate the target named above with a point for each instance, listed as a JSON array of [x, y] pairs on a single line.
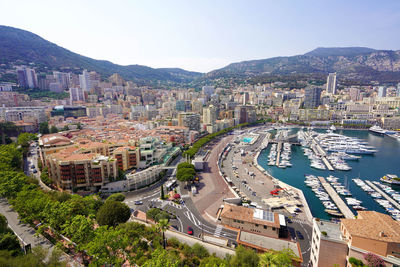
[[344, 209], [327, 163], [380, 191], [278, 155], [318, 150]]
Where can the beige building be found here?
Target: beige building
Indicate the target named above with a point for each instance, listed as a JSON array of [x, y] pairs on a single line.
[[372, 232], [127, 157], [86, 172], [391, 123], [251, 220], [313, 114]]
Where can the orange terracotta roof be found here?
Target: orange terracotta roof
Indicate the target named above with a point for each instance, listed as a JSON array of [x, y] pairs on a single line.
[[371, 224]]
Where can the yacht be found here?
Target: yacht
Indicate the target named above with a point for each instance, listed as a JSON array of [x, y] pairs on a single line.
[[377, 129], [391, 179]]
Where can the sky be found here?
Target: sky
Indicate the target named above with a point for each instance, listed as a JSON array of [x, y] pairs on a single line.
[[205, 35]]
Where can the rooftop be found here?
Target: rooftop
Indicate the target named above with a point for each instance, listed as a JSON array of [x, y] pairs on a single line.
[[332, 230], [373, 225], [255, 216]]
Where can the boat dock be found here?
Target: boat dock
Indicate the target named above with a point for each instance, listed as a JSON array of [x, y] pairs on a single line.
[[380, 191], [278, 155], [327, 163], [344, 209]]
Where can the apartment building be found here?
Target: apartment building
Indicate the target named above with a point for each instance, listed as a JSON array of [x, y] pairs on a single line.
[[28, 114], [333, 244], [88, 172], [127, 157], [391, 122], [327, 246]]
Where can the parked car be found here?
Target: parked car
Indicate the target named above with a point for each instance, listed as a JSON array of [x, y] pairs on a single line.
[[299, 235], [138, 202], [190, 230], [34, 171]]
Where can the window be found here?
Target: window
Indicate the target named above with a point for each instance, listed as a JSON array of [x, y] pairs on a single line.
[[256, 225], [265, 227]]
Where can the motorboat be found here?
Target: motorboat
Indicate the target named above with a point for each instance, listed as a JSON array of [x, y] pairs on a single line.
[[377, 130], [391, 179]]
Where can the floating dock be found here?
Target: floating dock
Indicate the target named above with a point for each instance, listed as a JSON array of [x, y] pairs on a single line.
[[344, 209], [278, 155], [327, 163], [380, 191]]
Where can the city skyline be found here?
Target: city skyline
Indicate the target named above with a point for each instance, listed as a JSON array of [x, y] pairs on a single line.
[[204, 36]]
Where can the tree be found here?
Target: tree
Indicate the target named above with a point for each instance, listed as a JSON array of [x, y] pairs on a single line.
[[79, 126], [244, 258], [65, 128], [213, 261], [44, 128], [163, 226], [107, 246], [24, 140], [80, 229], [6, 128], [113, 213], [162, 192], [10, 157], [200, 251], [53, 129], [117, 197], [11, 183], [161, 258], [274, 258], [185, 174]]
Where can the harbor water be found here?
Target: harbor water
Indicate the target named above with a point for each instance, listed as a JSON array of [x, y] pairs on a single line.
[[369, 167]]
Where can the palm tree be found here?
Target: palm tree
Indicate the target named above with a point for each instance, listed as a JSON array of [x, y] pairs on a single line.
[[162, 226], [268, 259]]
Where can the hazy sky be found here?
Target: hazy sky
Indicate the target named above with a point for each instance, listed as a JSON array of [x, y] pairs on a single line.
[[206, 34]]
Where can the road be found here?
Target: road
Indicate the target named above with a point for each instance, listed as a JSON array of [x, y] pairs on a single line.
[[23, 231], [260, 186], [187, 214]]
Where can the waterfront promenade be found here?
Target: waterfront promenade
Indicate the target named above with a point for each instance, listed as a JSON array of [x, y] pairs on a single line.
[[391, 200], [344, 209]]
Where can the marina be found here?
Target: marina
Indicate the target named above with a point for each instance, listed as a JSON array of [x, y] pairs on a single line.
[[381, 192], [336, 198], [384, 151]]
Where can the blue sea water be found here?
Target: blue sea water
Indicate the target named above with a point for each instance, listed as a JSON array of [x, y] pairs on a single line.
[[369, 167]]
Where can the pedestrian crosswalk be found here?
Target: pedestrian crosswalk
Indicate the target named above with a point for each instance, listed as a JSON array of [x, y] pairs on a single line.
[[298, 221], [218, 230], [192, 218]]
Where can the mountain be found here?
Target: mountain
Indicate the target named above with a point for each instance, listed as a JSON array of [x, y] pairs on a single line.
[[339, 51], [21, 46], [351, 63]]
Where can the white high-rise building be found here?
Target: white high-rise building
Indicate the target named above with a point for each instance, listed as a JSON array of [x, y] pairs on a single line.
[[84, 80], [210, 115], [76, 94], [331, 84], [382, 91]]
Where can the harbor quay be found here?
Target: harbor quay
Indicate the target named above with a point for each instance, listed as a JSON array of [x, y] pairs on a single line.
[[255, 185]]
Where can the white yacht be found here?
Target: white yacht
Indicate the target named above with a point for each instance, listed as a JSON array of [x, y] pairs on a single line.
[[377, 129]]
